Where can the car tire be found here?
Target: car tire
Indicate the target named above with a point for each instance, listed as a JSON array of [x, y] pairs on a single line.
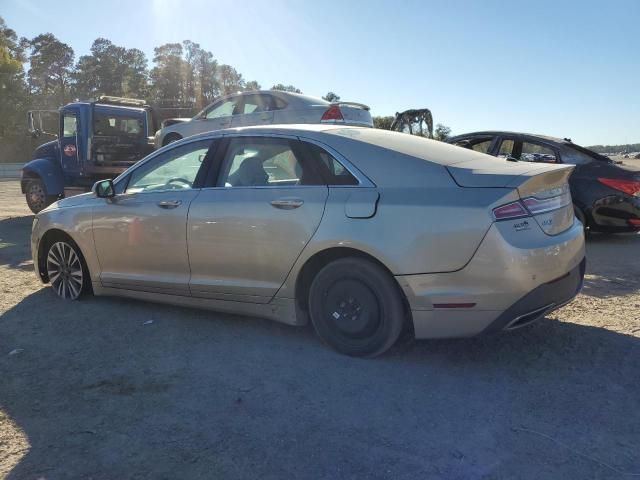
[[170, 138], [67, 270], [36, 196], [356, 307]]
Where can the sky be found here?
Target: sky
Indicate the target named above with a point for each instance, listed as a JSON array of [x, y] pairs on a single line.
[[567, 68]]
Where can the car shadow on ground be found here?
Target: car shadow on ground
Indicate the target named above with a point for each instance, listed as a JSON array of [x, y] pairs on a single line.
[[15, 246], [108, 388]]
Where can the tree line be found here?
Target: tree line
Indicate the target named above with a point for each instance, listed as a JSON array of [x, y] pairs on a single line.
[[43, 73]]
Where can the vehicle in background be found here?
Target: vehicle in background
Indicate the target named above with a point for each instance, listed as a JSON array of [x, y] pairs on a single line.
[[606, 195], [268, 107], [414, 122], [94, 140], [362, 231]]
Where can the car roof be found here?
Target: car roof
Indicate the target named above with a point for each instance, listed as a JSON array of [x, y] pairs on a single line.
[[411, 145], [494, 133]]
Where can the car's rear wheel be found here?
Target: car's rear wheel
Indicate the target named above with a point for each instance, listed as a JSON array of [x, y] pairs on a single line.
[[170, 138], [66, 270], [356, 307], [36, 195]]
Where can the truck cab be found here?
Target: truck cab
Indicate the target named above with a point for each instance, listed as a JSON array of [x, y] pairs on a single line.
[[95, 140]]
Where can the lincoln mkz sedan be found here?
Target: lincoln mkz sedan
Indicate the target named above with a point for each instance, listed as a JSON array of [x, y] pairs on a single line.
[[364, 233]]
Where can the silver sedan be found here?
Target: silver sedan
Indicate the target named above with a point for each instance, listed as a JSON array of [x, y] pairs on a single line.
[[362, 232], [266, 107]]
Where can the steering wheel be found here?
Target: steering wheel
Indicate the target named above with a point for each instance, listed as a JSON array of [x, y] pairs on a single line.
[[180, 180]]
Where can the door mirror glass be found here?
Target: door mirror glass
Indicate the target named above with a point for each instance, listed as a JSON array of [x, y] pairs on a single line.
[[104, 189]]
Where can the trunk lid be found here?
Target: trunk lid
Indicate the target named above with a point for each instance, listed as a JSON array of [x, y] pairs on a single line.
[[355, 113], [543, 189]]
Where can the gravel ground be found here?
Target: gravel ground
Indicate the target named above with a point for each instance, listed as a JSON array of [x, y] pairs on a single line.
[[93, 390]]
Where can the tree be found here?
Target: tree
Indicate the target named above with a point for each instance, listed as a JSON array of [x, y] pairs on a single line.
[[252, 85], [202, 83], [13, 94], [442, 132], [286, 88], [111, 70], [51, 64], [331, 97], [383, 122], [230, 80], [168, 73], [136, 77]]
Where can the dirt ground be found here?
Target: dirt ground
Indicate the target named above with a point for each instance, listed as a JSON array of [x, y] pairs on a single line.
[[92, 390]]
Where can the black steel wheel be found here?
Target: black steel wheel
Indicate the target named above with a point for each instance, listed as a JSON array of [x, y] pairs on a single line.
[[356, 307]]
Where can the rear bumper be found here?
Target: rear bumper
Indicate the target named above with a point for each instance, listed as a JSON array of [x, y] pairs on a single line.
[[616, 213], [506, 284], [540, 301]]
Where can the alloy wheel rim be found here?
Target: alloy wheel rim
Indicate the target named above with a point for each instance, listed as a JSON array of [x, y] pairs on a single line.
[[65, 271]]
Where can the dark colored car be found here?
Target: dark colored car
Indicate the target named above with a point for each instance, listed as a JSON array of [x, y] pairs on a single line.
[[606, 195]]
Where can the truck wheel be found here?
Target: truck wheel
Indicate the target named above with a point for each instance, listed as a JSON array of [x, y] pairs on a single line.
[[36, 196], [356, 307], [172, 137]]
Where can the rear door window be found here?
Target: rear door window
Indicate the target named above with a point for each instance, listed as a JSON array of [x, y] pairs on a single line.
[[265, 162], [334, 172], [535, 152], [506, 148], [481, 145]]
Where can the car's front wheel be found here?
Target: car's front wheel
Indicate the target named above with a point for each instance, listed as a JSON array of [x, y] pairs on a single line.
[[66, 270], [356, 307]]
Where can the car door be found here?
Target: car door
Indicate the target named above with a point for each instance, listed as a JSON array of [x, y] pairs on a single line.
[[140, 234], [69, 148], [217, 116], [246, 229], [254, 109]]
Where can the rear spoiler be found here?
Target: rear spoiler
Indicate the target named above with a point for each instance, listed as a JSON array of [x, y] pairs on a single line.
[[352, 104]]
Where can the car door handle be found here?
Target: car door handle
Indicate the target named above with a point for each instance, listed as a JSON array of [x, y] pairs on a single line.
[[287, 203], [227, 122], [168, 204]]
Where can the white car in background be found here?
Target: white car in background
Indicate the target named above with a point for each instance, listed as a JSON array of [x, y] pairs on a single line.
[[268, 107]]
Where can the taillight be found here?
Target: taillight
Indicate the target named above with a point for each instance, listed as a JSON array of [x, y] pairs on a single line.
[[509, 211], [333, 114], [537, 206], [543, 202], [632, 187]]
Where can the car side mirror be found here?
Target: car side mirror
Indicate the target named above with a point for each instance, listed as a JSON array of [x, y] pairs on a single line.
[[104, 189]]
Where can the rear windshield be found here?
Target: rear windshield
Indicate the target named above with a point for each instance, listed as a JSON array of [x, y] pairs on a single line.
[[591, 153], [117, 125]]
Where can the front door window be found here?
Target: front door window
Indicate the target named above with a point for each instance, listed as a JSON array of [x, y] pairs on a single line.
[[174, 170]]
